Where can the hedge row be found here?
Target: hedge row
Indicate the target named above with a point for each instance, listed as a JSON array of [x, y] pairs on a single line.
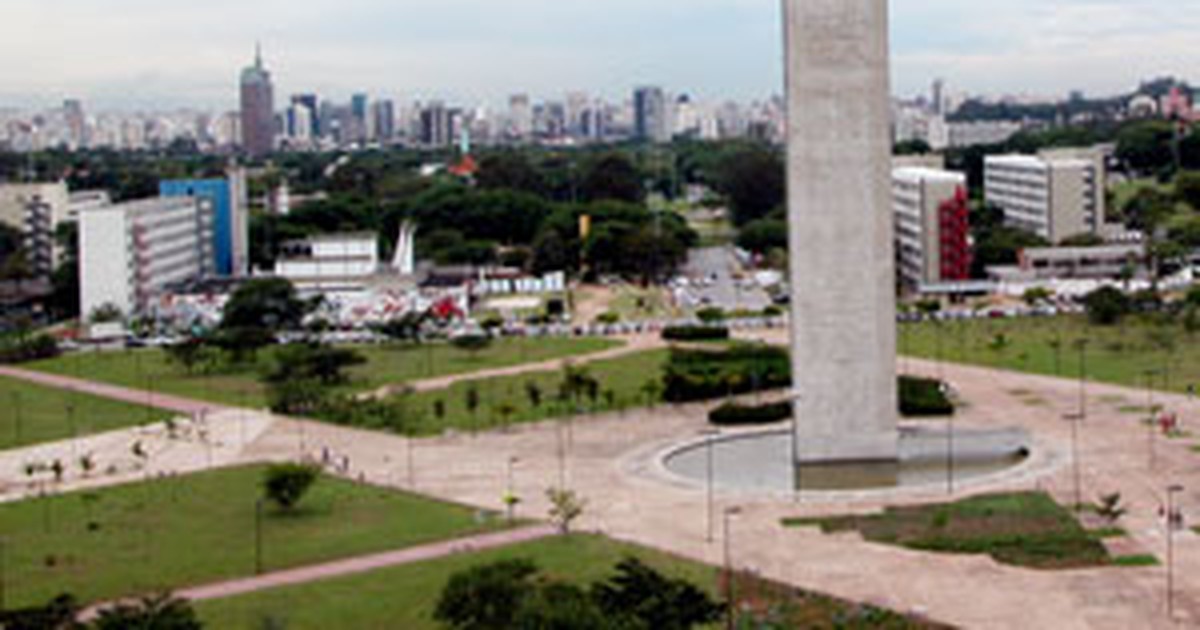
[[704, 374], [695, 333], [733, 414]]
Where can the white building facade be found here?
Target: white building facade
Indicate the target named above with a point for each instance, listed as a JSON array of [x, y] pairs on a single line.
[[1053, 197], [930, 242], [132, 253], [330, 263]]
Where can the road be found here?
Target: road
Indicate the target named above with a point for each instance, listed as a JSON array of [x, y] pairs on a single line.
[[713, 274]]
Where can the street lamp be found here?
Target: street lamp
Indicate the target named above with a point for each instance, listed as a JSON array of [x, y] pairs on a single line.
[[710, 436], [949, 443], [1075, 419], [1151, 412], [1174, 521], [730, 610], [1082, 346], [258, 537], [510, 498]]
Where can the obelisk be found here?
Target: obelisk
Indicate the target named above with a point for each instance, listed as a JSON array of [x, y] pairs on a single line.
[[839, 211]]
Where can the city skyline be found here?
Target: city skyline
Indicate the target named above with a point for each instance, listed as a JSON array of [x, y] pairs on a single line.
[[173, 54]]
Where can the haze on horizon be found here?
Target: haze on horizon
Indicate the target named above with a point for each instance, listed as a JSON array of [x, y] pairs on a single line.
[[169, 53]]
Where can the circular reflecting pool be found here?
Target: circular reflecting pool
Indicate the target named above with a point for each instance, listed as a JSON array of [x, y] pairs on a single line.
[[763, 461]]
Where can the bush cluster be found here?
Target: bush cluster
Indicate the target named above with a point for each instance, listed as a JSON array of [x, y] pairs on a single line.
[[923, 398]]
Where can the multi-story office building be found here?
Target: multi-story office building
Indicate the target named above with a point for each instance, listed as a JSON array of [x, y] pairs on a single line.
[[650, 122], [932, 227], [437, 125], [224, 221], [383, 117], [330, 263], [36, 210], [132, 253], [258, 109], [1053, 195]]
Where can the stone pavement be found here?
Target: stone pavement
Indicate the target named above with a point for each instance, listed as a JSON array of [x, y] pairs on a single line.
[[610, 461]]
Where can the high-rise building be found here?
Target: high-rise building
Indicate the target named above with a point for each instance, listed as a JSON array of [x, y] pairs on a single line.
[[224, 221], [1053, 196], [76, 121], [383, 116], [938, 98], [35, 210], [437, 128], [932, 235], [650, 115], [520, 113], [311, 103], [258, 109], [130, 254]]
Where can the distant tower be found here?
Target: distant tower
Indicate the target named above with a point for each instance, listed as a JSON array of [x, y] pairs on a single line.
[[258, 108], [650, 115], [939, 97]]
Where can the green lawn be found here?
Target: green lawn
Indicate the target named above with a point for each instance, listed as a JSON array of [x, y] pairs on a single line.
[[1021, 529], [1116, 354], [31, 414], [406, 596], [386, 365], [623, 376], [200, 528]]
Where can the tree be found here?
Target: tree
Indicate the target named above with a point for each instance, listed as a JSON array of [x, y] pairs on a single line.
[[188, 353], [565, 508], [156, 612], [242, 344], [1036, 295], [1086, 239], [752, 178], [1187, 188], [509, 170], [471, 398], [612, 177], [764, 235], [486, 597], [270, 304], [534, 393], [58, 614], [326, 365], [404, 328], [286, 484], [1001, 246], [1106, 306], [558, 606], [644, 598]]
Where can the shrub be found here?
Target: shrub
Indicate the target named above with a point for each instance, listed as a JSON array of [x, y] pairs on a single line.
[[1107, 306], [608, 318], [711, 315], [923, 398], [23, 349], [286, 484], [695, 333], [733, 414]]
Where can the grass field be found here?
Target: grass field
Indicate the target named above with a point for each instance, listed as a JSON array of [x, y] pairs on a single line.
[[405, 597], [31, 414], [624, 377], [1023, 529], [386, 365], [1118, 354], [201, 528]]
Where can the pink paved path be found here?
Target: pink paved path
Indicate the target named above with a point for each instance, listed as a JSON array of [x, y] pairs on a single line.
[[364, 564], [166, 402]]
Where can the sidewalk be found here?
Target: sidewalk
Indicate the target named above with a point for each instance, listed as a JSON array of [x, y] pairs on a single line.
[[182, 406]]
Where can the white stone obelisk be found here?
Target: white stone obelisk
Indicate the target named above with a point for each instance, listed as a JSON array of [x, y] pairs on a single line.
[[839, 211]]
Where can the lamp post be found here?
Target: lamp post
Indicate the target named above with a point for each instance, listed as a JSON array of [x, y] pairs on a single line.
[[1082, 346], [510, 497], [258, 537], [949, 444], [1174, 521], [1151, 413], [710, 436], [731, 606], [1075, 419]]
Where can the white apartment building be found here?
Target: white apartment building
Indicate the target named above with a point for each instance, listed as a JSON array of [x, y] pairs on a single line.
[[330, 263], [36, 210], [932, 244], [1055, 196], [132, 253]]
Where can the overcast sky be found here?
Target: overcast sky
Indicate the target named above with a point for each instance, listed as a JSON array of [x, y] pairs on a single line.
[[133, 53]]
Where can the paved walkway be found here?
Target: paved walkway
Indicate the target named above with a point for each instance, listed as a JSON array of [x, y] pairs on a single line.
[[630, 345], [166, 402], [363, 564], [609, 460]]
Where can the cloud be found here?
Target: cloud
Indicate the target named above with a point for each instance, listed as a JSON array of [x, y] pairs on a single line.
[[125, 52]]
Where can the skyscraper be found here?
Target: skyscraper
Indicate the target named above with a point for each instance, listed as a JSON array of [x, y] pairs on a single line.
[[258, 109], [650, 115], [383, 115]]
